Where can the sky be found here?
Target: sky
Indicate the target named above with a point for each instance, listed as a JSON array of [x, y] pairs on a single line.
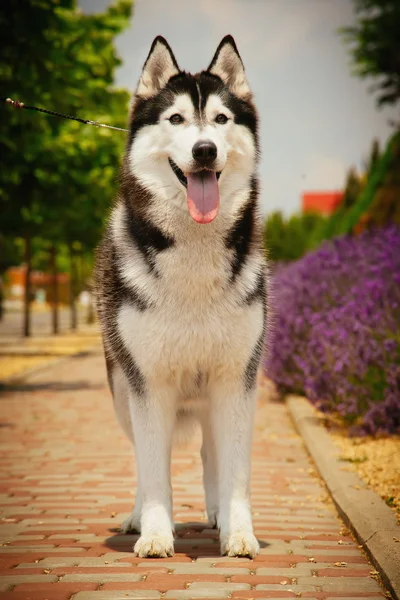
[[316, 118]]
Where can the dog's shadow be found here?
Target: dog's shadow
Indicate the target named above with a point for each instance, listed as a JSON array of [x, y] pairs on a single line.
[[193, 539]]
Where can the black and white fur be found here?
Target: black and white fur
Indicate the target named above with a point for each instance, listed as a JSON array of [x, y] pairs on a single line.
[[182, 305]]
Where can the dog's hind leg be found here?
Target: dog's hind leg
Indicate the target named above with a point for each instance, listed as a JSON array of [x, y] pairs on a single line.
[[232, 413], [132, 523], [153, 417], [210, 477], [120, 389]]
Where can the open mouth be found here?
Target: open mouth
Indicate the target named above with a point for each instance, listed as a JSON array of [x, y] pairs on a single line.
[[179, 173], [202, 193]]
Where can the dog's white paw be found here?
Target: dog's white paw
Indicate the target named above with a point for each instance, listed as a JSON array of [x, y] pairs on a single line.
[[131, 524], [154, 546], [241, 543]]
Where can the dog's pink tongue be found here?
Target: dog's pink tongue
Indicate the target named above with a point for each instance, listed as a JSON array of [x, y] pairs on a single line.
[[203, 196]]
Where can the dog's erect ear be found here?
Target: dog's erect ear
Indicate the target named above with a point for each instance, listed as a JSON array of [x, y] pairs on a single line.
[[159, 67], [228, 65]]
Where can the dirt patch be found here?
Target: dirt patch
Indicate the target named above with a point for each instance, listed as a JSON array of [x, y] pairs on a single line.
[[375, 459]]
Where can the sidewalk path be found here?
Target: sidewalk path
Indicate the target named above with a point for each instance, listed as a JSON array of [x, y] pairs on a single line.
[[67, 481], [11, 325], [19, 355]]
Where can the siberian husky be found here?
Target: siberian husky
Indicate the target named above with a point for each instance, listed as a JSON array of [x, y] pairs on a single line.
[[181, 290]]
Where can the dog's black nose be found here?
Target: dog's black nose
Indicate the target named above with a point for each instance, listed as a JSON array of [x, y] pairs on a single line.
[[204, 151]]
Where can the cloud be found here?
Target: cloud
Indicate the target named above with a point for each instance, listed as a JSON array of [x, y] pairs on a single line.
[[323, 173], [267, 32]]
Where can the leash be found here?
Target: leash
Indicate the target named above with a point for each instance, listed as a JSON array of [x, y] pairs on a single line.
[[18, 104]]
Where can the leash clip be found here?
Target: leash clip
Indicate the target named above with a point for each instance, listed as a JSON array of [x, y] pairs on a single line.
[[15, 103]]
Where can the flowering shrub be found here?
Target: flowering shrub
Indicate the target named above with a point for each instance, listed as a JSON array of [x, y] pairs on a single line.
[[335, 329]]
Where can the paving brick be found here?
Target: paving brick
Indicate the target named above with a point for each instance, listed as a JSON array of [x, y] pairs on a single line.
[[99, 562], [58, 527], [36, 595], [230, 587], [47, 521], [53, 591], [118, 595], [200, 570], [289, 588], [361, 571], [102, 577], [203, 594], [7, 581], [105, 569], [40, 549], [175, 565], [26, 548], [297, 571], [266, 595], [49, 563], [161, 587], [160, 579], [345, 584]]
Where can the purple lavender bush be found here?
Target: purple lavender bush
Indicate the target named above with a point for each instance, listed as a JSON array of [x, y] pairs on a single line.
[[335, 329]]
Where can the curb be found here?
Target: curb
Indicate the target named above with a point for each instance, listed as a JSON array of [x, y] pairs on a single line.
[[363, 511], [20, 377]]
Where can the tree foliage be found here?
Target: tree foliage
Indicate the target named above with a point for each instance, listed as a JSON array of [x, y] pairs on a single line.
[[352, 188], [374, 43], [288, 239], [58, 177], [53, 56], [385, 203]]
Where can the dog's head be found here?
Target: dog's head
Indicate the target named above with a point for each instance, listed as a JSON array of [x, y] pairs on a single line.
[[193, 137]]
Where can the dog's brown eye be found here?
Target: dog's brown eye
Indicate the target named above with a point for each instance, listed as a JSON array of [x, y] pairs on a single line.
[[221, 119], [176, 119]]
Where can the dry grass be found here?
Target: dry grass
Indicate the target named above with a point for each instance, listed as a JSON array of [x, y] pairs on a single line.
[[375, 459], [11, 366], [21, 355]]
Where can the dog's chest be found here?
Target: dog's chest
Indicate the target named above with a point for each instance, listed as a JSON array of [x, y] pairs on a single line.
[[196, 321]]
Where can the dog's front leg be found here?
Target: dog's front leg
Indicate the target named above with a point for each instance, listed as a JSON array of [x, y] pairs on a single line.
[[132, 523], [153, 418], [232, 410]]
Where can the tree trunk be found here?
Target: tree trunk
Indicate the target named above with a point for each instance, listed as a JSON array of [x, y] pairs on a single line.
[[2, 269], [53, 268], [72, 289], [27, 294], [1, 299], [90, 312]]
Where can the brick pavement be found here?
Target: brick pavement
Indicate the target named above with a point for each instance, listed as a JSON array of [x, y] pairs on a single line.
[[67, 481]]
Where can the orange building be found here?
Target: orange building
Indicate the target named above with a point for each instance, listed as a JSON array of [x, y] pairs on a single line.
[[322, 202], [41, 285]]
